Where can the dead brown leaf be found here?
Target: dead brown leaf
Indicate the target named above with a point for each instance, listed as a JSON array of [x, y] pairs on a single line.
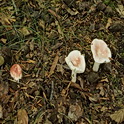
[[120, 10], [47, 122], [28, 61], [6, 19], [118, 116], [92, 99], [31, 46], [41, 23], [72, 12], [22, 116], [100, 87], [4, 87], [104, 80], [25, 31], [108, 23], [52, 69], [31, 61], [81, 82], [1, 111], [59, 27], [77, 86], [54, 13], [56, 46], [122, 79], [75, 112], [60, 69], [3, 40], [1, 60], [104, 108]]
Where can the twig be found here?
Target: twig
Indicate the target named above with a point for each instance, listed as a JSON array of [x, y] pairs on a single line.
[[52, 88], [68, 85], [77, 86]]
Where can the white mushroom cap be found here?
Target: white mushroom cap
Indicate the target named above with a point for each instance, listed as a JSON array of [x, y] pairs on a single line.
[[76, 63], [101, 52]]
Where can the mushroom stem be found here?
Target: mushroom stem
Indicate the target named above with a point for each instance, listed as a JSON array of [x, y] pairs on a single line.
[[73, 75], [18, 81], [96, 66]]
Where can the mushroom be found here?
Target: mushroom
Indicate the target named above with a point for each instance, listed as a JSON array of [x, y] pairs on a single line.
[[76, 63], [16, 72], [101, 53]]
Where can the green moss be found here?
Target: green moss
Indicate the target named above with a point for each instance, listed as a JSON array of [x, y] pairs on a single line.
[[110, 3]]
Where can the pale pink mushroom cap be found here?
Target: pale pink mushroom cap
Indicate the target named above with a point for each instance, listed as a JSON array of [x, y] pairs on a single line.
[[16, 72], [76, 61], [101, 52]]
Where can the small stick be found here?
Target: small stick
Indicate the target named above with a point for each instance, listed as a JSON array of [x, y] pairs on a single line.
[[52, 88], [68, 85], [77, 86]]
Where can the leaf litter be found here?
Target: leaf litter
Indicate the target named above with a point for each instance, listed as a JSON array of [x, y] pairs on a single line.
[[38, 35]]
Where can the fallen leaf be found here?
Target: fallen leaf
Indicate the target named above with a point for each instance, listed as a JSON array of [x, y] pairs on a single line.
[[31, 45], [100, 87], [25, 31], [75, 85], [41, 23], [1, 60], [118, 116], [92, 99], [82, 121], [75, 112], [3, 40], [59, 28], [7, 19], [47, 122], [108, 23], [4, 87], [104, 108], [72, 12], [52, 69], [81, 82], [1, 112], [56, 46], [28, 61], [63, 92], [122, 79], [60, 69], [61, 109], [31, 61], [104, 80], [54, 13], [22, 116], [120, 10]]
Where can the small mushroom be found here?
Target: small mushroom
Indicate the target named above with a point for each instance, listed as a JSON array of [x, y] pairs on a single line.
[[101, 53], [16, 72], [76, 63]]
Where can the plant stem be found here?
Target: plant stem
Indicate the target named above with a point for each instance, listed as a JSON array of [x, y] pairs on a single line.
[[13, 2]]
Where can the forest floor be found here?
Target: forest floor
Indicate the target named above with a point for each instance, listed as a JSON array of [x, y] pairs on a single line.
[[38, 35]]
